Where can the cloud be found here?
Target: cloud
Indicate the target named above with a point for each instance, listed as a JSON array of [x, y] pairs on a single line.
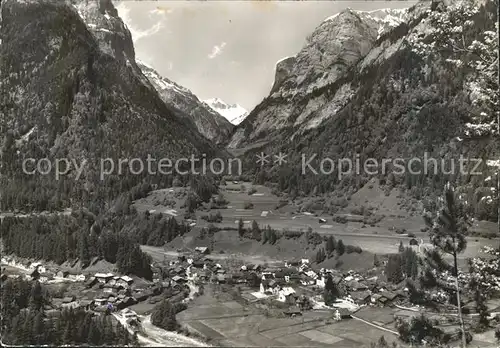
[[216, 50], [136, 33]]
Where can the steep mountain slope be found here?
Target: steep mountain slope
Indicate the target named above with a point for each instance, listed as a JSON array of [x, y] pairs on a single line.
[[360, 90], [73, 93], [234, 113], [330, 51], [208, 122]]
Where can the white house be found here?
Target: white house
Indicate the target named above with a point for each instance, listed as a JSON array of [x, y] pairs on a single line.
[[103, 277], [284, 293], [320, 282]]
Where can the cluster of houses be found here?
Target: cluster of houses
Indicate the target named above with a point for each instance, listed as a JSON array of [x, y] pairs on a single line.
[[36, 270], [352, 286], [282, 283]]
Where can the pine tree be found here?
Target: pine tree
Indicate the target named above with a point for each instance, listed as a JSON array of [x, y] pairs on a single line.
[[330, 245], [394, 269], [447, 234], [401, 247], [38, 329], [331, 292], [241, 228], [84, 250], [36, 297], [340, 247], [256, 232]]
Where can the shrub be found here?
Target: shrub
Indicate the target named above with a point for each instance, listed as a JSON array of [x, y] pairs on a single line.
[[251, 191], [216, 218], [248, 205], [340, 219], [349, 249]]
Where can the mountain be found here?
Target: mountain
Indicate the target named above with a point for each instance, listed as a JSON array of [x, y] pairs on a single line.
[[76, 92], [336, 45], [384, 85], [208, 122], [234, 113]]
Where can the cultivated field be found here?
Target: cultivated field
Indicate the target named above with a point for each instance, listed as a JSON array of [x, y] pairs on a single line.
[[231, 322]]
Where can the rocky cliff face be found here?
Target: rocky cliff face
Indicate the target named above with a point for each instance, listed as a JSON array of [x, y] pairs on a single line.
[[208, 122], [102, 20], [70, 92], [336, 45], [380, 85]]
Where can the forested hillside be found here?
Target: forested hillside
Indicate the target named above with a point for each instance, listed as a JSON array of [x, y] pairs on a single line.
[[427, 86]]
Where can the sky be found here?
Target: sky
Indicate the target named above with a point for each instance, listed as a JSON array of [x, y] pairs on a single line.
[[227, 49]]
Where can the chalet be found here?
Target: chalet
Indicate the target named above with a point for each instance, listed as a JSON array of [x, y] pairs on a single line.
[[100, 301], [238, 278], [342, 313], [203, 275], [387, 298], [198, 264], [356, 286], [125, 281], [202, 250], [361, 297], [103, 277], [221, 278]]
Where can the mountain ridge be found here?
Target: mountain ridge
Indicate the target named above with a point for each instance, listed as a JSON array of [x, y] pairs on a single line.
[[372, 95], [79, 101]]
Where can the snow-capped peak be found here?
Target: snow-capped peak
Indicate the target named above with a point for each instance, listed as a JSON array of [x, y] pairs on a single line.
[[234, 113], [386, 18]]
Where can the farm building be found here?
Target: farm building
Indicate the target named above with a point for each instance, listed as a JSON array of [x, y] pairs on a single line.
[[103, 277], [361, 297], [202, 250]]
